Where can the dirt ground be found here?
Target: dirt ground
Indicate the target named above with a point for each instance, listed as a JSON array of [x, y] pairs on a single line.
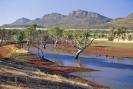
[[10, 70], [101, 50]]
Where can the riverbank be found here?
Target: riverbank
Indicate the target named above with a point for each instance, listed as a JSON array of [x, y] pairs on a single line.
[[16, 71], [19, 73], [97, 49], [100, 51], [33, 79]]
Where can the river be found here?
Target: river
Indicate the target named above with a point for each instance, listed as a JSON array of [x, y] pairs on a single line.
[[116, 73]]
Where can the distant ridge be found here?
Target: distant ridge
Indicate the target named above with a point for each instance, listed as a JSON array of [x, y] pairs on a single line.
[[75, 19], [78, 18], [21, 21], [126, 22]]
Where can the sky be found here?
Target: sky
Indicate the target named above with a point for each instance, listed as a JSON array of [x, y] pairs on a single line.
[[11, 10]]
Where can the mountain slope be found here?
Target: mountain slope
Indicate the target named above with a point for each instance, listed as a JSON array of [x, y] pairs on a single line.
[[81, 18], [126, 21], [21, 21], [78, 18]]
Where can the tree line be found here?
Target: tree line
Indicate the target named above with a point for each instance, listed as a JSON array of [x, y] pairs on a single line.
[[80, 39]]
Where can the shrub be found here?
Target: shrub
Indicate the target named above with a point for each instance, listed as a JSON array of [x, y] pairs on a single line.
[[110, 38], [130, 37]]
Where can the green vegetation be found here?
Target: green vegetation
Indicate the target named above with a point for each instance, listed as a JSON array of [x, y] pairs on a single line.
[[36, 38], [56, 33], [81, 39], [20, 38]]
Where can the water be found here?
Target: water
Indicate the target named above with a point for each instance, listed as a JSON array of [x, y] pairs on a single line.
[[114, 73]]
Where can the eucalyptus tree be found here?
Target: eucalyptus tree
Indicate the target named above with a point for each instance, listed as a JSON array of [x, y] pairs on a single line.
[[68, 36], [130, 37], [37, 39], [81, 42], [44, 39], [20, 38], [56, 33], [12, 35], [29, 38], [111, 34], [40, 42], [31, 35], [5, 36], [2, 35], [9, 36], [120, 31]]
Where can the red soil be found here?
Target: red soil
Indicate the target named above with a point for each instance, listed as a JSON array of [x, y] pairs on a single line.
[[106, 51], [57, 69], [112, 52], [54, 68]]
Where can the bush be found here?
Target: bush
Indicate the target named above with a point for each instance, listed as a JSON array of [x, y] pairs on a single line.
[[130, 37], [110, 38]]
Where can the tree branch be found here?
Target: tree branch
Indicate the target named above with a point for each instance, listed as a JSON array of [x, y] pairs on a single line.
[[89, 44]]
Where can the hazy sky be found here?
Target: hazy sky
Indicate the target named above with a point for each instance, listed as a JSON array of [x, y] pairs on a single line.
[[10, 10]]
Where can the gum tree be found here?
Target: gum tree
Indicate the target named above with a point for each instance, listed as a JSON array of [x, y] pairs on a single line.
[[120, 32], [20, 39], [56, 33], [2, 36], [31, 35], [68, 36], [38, 39], [81, 42], [111, 34], [6, 36]]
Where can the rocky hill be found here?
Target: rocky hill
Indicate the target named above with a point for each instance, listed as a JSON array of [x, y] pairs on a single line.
[[78, 18], [126, 21]]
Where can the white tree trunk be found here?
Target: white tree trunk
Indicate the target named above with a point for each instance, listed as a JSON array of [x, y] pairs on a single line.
[[78, 52]]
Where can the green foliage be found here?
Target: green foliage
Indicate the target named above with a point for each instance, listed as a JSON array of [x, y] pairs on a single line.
[[117, 32], [81, 38], [20, 37], [56, 31], [130, 37], [120, 30], [68, 35], [81, 42]]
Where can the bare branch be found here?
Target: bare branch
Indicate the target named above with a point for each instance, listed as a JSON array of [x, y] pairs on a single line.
[[89, 43]]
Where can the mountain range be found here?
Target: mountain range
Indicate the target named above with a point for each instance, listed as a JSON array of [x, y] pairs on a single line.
[[75, 19]]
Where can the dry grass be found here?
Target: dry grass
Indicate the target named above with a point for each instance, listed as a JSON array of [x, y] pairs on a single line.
[[12, 86], [36, 75], [113, 44]]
